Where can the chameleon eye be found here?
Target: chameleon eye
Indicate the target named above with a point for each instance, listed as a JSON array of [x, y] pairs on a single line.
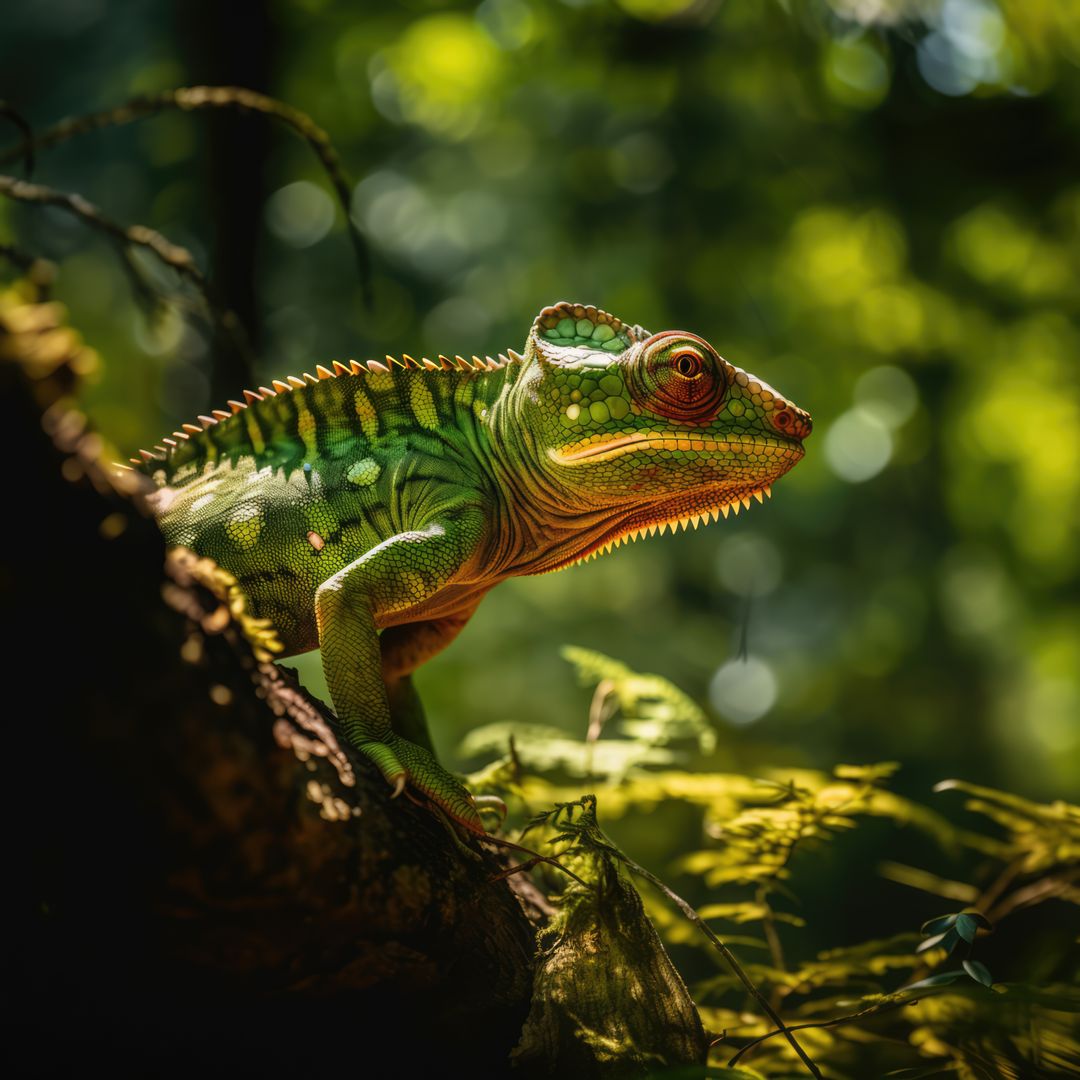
[[688, 364], [681, 379]]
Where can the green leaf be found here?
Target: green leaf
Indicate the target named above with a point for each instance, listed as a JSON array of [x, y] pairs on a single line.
[[938, 925], [979, 972], [948, 941], [966, 927], [942, 978]]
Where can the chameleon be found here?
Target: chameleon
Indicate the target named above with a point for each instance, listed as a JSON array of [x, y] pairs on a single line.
[[365, 510]]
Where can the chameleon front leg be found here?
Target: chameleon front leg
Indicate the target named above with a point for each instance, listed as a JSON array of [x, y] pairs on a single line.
[[404, 649], [398, 574]]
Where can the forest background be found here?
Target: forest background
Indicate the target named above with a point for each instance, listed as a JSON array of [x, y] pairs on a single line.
[[872, 204]]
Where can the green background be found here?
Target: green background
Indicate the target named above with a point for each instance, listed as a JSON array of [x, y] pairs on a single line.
[[874, 205]]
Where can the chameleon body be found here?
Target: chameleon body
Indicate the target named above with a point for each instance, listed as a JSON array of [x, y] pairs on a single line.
[[366, 510]]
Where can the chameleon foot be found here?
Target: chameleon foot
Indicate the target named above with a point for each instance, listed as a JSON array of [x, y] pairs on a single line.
[[401, 762]]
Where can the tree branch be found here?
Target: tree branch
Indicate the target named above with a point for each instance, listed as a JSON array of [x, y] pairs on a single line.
[[193, 98]]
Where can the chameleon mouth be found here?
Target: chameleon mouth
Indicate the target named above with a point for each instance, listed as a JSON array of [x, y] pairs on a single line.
[[628, 444], [690, 510]]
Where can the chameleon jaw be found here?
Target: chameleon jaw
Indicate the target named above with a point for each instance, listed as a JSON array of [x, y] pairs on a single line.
[[638, 527]]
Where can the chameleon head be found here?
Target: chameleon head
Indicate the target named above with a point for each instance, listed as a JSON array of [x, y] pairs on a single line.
[[659, 425]]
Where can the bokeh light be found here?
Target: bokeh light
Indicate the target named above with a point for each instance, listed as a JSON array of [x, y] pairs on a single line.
[[870, 204]]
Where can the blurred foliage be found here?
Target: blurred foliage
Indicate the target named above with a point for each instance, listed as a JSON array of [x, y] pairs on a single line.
[[910, 1001], [872, 204]]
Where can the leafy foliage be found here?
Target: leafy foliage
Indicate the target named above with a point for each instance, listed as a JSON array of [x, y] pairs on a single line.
[[910, 1002]]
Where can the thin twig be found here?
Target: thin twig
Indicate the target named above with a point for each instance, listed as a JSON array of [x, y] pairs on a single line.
[[192, 98], [534, 858], [772, 938], [1035, 893], [994, 891], [172, 255], [180, 259], [837, 1022]]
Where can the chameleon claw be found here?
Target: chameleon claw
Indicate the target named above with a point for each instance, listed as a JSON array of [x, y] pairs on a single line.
[[399, 786]]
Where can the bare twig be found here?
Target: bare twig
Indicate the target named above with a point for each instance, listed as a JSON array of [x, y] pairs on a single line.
[[192, 98], [534, 859], [882, 1006], [1035, 893], [772, 938], [180, 259], [172, 255]]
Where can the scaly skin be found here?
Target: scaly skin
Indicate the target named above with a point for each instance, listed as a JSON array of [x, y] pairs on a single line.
[[367, 511]]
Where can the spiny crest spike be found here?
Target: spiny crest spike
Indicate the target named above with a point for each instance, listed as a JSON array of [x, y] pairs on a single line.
[[162, 451], [323, 372], [296, 382], [446, 362], [235, 405], [145, 455], [206, 421], [220, 414], [768, 491], [515, 356], [281, 387], [430, 365], [746, 502], [356, 367], [760, 498], [339, 368], [181, 434], [374, 365], [393, 362], [409, 362], [170, 443], [267, 392], [724, 509]]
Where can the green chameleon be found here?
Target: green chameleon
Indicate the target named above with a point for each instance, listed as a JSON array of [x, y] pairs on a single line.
[[366, 511]]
